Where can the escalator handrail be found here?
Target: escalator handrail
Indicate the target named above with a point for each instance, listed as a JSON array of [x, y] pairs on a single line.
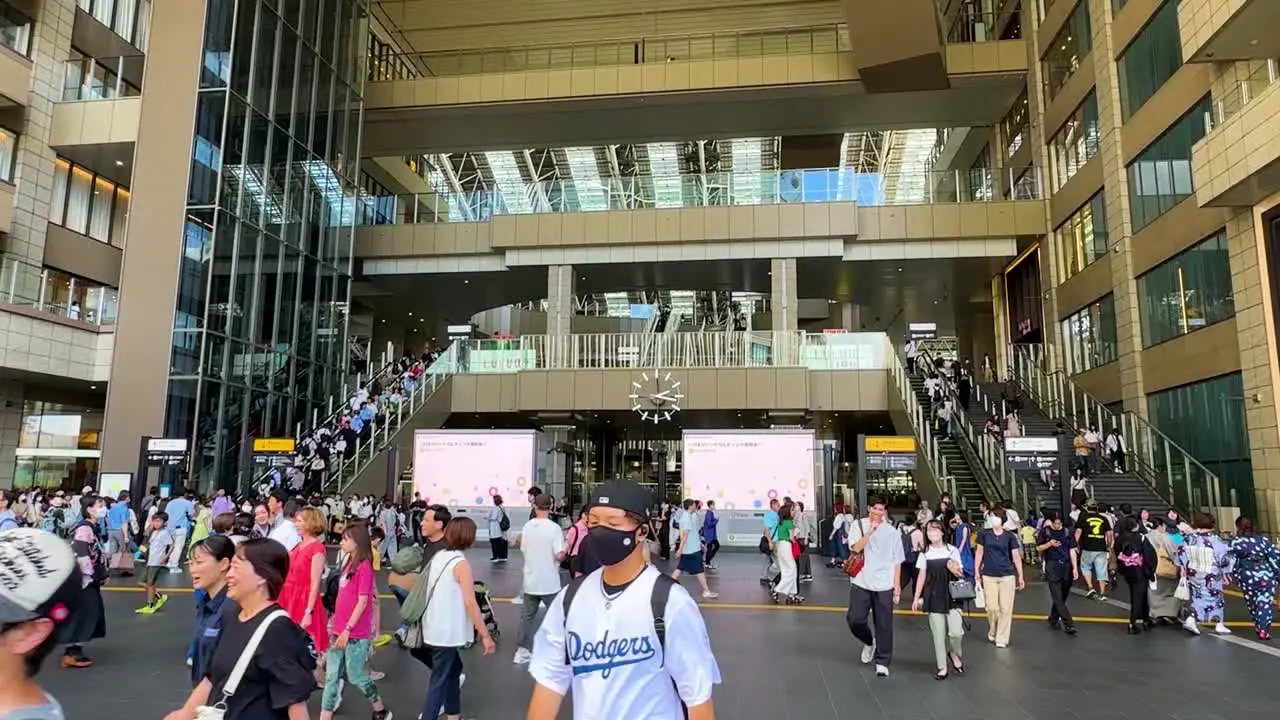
[[992, 489]]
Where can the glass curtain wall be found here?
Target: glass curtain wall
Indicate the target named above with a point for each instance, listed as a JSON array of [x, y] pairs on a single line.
[[1160, 177], [1189, 291], [1083, 238], [1068, 50], [1150, 60], [1089, 336], [260, 328], [1076, 143]]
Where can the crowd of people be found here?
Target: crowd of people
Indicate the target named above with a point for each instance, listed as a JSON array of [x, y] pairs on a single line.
[[266, 588]]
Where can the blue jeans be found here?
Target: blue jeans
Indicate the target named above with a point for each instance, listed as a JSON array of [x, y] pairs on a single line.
[[443, 689]]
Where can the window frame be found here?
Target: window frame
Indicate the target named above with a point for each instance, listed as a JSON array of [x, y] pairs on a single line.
[[1180, 265]]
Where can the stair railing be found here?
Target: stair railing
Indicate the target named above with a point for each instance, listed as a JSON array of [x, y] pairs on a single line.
[[919, 418], [348, 468], [1169, 470], [977, 445]]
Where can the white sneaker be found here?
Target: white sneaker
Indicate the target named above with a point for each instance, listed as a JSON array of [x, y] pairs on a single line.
[[868, 653], [523, 657], [882, 671], [1222, 629], [710, 595], [1190, 625], [175, 571]]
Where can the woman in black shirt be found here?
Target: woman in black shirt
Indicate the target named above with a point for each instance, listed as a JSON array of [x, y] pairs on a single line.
[[281, 675]]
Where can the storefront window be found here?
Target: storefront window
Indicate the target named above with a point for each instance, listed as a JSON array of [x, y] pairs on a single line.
[[58, 445], [1076, 143], [1068, 50], [1187, 292], [1083, 237], [1089, 336]]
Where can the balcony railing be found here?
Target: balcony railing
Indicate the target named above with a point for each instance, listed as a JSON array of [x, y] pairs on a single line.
[[56, 293], [1243, 92], [640, 50], [710, 190], [101, 78]]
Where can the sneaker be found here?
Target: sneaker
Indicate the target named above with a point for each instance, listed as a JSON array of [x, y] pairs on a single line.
[[76, 662], [710, 595], [1092, 594], [1069, 629], [145, 609], [1190, 625], [868, 653], [1222, 629], [382, 641], [522, 657], [385, 714], [1002, 645], [161, 599], [376, 675], [882, 671]]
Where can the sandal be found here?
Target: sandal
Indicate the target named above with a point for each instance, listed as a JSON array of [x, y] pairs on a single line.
[[940, 675], [957, 666]]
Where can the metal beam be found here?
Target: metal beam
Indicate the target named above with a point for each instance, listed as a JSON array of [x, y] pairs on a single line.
[[702, 171], [539, 192], [446, 167]]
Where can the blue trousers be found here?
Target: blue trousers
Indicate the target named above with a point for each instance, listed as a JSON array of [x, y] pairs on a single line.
[[443, 689]]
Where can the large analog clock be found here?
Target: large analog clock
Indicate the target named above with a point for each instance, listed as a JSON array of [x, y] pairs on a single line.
[[655, 396]]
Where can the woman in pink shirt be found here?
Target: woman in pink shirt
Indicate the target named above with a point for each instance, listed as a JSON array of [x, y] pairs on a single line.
[[348, 655]]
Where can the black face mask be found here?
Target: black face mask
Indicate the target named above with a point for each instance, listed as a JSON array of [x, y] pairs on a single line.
[[611, 546]]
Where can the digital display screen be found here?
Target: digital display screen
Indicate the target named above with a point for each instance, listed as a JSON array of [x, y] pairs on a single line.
[[467, 468], [744, 470]]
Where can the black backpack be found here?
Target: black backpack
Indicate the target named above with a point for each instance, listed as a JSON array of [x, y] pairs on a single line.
[[504, 524], [909, 554], [657, 605]]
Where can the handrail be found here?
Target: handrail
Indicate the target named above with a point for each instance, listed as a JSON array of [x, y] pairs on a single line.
[[919, 419], [673, 191], [366, 451], [1236, 96], [978, 445], [1170, 472]]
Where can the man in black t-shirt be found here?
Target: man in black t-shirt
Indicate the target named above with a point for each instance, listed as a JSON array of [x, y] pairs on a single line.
[[1094, 538], [1057, 546]]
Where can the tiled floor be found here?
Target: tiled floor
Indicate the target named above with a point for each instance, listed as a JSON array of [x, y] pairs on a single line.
[[777, 663]]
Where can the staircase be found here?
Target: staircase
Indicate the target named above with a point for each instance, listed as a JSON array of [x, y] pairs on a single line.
[[1160, 474], [967, 492]]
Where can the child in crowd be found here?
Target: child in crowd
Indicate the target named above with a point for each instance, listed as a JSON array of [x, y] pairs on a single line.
[[159, 546], [378, 536], [1027, 536]]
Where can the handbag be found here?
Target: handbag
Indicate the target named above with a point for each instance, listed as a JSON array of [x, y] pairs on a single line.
[[218, 710], [979, 597], [856, 560], [795, 549], [1183, 591], [413, 626], [962, 590]]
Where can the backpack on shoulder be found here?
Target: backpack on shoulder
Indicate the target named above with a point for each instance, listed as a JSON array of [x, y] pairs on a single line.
[[504, 524]]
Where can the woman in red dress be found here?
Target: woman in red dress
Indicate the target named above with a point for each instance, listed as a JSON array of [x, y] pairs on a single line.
[[300, 596]]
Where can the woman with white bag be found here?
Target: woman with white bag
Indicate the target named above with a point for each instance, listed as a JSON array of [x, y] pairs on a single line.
[[262, 667]]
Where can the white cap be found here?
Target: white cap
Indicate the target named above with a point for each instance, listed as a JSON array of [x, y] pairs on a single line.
[[34, 567]]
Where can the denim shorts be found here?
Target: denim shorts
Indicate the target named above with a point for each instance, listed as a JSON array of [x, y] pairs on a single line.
[[1093, 564]]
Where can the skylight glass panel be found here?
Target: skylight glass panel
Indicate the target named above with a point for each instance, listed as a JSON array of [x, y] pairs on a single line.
[[617, 304], [509, 182], [342, 210], [664, 165], [591, 190], [911, 179], [253, 187]]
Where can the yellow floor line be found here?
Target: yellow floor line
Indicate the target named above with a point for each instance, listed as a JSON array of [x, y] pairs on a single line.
[[714, 605]]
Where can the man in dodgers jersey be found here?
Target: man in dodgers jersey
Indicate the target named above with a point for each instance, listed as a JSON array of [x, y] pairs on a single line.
[[608, 650]]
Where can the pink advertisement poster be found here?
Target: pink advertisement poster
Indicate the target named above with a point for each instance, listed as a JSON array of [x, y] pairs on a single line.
[[744, 470], [467, 468]]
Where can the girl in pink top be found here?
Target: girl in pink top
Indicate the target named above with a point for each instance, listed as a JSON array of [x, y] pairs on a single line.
[[348, 655]]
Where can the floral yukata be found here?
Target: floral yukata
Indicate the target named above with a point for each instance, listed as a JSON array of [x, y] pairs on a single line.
[[1257, 572], [1206, 562]]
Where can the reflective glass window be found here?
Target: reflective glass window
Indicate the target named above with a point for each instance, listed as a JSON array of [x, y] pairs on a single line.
[[1068, 50], [1189, 291], [87, 203], [8, 153], [1160, 177], [1076, 142], [1150, 60], [1089, 336], [1083, 237]]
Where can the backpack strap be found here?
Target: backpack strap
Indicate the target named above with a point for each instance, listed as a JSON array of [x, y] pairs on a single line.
[[570, 591], [658, 605]]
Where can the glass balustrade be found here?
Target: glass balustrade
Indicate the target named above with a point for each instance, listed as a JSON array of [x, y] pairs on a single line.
[[818, 185], [1237, 95], [830, 38], [56, 293], [87, 78]]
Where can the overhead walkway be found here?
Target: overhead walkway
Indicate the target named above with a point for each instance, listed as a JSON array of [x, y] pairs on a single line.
[[794, 81]]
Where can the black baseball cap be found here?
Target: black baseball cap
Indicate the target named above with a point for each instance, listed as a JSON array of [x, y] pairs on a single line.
[[626, 496]]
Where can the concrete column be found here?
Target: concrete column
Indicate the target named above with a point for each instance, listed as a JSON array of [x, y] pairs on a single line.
[[782, 293], [560, 293], [555, 464], [153, 250], [1049, 280], [33, 175], [10, 429], [851, 317]]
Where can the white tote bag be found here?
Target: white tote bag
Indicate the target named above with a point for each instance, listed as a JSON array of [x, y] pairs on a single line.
[[218, 710], [1183, 591], [979, 596]]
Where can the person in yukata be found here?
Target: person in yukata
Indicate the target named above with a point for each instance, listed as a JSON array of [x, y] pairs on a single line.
[[1257, 572], [1206, 563]]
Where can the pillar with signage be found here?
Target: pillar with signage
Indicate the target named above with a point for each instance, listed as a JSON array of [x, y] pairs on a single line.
[[170, 455], [1038, 455], [882, 454]]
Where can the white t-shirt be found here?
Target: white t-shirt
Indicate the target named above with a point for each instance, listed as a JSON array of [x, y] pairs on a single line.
[[882, 554], [285, 533], [950, 552], [540, 541], [616, 668]]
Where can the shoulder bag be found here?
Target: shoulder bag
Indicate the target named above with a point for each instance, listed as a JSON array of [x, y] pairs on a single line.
[[413, 623], [218, 710], [853, 566], [962, 590]]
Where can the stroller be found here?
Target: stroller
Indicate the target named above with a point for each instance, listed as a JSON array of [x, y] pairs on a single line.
[[485, 602]]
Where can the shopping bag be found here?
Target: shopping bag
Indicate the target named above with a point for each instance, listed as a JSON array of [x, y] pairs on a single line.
[[979, 596], [1183, 591]]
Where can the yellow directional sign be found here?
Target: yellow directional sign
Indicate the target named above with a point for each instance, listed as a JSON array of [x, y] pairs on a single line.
[[273, 445], [889, 444]]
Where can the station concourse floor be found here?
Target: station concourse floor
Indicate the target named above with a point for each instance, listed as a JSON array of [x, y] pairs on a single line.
[[776, 662]]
